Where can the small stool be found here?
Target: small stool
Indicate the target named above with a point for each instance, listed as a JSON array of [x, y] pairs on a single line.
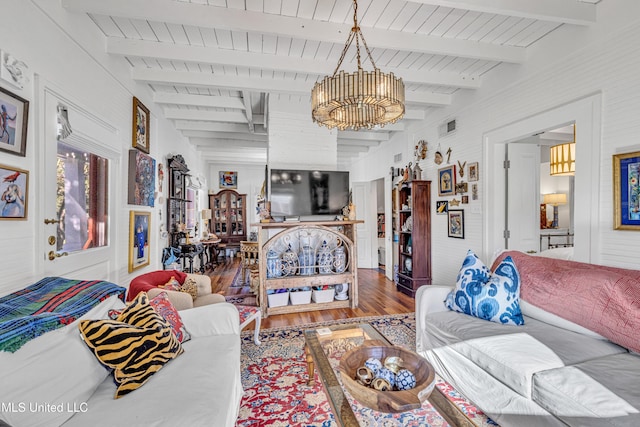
[[247, 315]]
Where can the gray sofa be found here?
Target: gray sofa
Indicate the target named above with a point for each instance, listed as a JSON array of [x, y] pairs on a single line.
[[548, 372]]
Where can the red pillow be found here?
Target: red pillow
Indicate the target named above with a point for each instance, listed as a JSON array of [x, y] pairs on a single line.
[[162, 305], [152, 280]]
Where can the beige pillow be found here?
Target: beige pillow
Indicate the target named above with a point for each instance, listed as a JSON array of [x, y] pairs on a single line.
[[189, 286]]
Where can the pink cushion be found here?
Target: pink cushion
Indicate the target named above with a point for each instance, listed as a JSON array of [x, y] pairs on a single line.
[[162, 305], [603, 299], [152, 280]]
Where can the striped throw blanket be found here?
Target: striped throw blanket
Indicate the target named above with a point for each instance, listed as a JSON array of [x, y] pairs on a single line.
[[47, 305]]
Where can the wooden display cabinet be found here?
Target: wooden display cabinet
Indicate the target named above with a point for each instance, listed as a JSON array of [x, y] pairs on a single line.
[[228, 216], [413, 215]]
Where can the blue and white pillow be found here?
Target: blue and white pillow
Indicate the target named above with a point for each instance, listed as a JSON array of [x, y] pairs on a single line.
[[494, 297]]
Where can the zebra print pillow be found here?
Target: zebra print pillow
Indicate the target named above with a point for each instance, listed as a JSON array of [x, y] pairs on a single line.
[[135, 346]]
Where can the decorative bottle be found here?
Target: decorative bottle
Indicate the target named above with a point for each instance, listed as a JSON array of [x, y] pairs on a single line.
[[325, 259], [274, 264], [339, 259]]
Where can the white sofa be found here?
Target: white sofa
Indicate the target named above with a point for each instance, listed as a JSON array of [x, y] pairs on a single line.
[[548, 372], [56, 380]]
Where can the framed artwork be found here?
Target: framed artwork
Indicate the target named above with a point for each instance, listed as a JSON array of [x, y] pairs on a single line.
[[142, 179], [14, 117], [14, 185], [462, 188], [474, 191], [141, 124], [228, 179], [456, 223], [447, 181], [442, 206], [139, 244], [473, 172], [626, 191]]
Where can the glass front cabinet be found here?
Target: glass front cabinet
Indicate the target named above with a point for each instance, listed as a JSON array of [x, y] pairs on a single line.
[[228, 216]]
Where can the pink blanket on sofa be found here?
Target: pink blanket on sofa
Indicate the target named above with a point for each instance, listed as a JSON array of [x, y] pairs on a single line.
[[603, 299]]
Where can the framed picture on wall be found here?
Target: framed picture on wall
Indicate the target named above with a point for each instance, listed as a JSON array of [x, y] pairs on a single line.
[[442, 207], [142, 181], [473, 172], [14, 117], [228, 179], [141, 124], [14, 187], [139, 239], [447, 181], [456, 223], [626, 191]]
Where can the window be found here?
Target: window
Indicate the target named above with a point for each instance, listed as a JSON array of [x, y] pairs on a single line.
[[81, 199]]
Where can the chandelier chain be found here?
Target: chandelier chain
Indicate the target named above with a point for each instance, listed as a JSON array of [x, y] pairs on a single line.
[[357, 34]]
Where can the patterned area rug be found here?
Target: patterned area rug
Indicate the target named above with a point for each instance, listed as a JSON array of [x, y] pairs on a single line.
[[237, 281], [274, 378]]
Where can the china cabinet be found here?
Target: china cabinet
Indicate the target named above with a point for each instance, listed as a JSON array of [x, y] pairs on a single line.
[[228, 215], [413, 216]]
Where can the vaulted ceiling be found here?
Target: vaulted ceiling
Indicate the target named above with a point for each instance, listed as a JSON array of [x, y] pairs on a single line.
[[213, 64]]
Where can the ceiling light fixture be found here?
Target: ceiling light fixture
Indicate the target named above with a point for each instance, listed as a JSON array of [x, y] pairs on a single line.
[[563, 158], [362, 99]]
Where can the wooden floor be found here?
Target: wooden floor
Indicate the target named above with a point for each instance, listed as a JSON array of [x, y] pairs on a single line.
[[377, 296]]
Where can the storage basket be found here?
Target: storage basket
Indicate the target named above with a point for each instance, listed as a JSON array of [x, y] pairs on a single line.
[[300, 297], [278, 300], [323, 296]]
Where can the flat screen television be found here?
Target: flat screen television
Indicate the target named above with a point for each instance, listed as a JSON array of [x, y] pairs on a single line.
[[308, 192]]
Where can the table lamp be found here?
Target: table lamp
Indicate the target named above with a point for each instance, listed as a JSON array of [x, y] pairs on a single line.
[[206, 216], [554, 199]]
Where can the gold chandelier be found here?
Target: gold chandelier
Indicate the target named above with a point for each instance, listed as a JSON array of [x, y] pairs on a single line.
[[563, 158], [362, 99]]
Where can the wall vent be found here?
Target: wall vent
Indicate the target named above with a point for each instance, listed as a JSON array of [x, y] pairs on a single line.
[[447, 128], [397, 158]]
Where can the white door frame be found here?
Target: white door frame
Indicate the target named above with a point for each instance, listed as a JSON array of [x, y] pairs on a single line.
[[586, 113], [97, 135]]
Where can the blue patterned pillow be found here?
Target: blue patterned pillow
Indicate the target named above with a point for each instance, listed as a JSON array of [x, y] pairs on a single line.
[[494, 297]]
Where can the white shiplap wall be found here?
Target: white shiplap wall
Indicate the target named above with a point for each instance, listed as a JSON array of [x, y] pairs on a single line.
[[100, 85], [295, 142], [608, 66]]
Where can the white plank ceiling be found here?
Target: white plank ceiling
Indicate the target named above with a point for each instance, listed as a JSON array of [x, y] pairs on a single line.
[[212, 64]]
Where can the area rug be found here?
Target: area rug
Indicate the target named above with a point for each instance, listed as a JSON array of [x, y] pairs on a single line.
[[274, 377], [237, 281]]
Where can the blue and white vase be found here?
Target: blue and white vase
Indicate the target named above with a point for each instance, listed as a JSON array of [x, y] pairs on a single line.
[[289, 262], [325, 259], [307, 260], [274, 264]]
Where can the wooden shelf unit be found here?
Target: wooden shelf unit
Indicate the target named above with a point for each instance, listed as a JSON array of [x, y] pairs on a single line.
[[228, 216], [278, 235], [416, 195]]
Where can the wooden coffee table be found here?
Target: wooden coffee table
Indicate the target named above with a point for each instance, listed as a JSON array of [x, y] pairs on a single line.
[[344, 338]]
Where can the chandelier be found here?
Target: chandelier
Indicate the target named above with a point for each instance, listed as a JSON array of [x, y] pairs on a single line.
[[563, 158], [362, 99]]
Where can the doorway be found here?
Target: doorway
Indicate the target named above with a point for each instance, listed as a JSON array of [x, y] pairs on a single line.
[[539, 205], [586, 114]]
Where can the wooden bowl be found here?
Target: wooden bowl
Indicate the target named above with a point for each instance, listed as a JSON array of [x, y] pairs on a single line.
[[387, 401]]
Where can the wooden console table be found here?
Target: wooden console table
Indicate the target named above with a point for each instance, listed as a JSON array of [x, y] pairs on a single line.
[[278, 236]]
